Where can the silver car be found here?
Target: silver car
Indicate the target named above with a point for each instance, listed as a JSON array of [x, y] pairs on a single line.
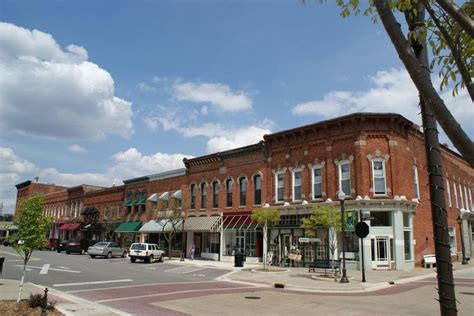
[[106, 249]]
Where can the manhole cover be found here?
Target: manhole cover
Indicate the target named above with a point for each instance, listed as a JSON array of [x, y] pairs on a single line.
[[252, 297], [467, 293]]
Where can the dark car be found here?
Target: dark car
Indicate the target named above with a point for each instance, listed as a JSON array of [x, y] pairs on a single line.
[[61, 246], [77, 246]]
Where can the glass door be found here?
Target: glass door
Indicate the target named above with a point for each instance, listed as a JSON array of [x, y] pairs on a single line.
[[381, 252]]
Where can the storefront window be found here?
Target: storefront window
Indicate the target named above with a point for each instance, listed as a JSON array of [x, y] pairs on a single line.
[[381, 219], [452, 240], [407, 235], [240, 241]]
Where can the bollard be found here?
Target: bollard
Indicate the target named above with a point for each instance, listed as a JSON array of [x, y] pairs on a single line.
[[44, 306]]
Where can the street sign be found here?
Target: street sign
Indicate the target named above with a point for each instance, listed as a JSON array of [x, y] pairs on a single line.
[[307, 239], [362, 229]]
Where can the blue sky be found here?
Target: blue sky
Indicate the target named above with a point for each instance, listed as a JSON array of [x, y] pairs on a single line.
[[101, 91]]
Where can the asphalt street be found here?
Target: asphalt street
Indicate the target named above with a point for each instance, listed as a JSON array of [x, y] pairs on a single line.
[[80, 272]]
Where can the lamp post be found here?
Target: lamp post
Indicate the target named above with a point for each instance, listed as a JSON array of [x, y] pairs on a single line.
[[459, 219], [341, 195], [183, 249]]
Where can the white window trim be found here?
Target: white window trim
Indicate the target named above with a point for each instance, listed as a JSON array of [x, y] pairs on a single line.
[[461, 195], [466, 197], [417, 182], [409, 229], [293, 184], [312, 182], [276, 186], [339, 166], [455, 241], [455, 191], [470, 198], [384, 177], [448, 190]]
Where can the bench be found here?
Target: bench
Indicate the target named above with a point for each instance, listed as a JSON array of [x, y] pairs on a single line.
[[325, 264], [429, 261]]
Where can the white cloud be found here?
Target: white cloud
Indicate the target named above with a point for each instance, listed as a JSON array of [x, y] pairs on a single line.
[[392, 91], [48, 91], [219, 95], [236, 138], [143, 87], [77, 149]]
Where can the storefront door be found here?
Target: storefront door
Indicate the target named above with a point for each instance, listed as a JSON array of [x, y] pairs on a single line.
[[381, 253], [198, 244]]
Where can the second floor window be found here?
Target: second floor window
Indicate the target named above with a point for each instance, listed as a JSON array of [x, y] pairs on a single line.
[[415, 182], [455, 191], [215, 194], [317, 183], [243, 191], [378, 171], [297, 185], [279, 186], [229, 188], [257, 180], [448, 190], [203, 195], [193, 196], [461, 196], [345, 178]]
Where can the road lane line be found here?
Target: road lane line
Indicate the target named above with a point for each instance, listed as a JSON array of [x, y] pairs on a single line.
[[178, 292], [199, 269], [54, 269], [92, 282], [45, 268], [169, 270], [65, 268]]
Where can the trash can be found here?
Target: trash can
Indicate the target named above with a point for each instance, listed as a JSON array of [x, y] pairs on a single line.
[[239, 260]]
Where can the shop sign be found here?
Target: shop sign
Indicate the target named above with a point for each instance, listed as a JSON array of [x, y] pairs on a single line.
[[306, 239]]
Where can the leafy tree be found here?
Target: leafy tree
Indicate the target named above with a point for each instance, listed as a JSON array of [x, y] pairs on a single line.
[[268, 216], [170, 225], [450, 30], [31, 233], [324, 216]]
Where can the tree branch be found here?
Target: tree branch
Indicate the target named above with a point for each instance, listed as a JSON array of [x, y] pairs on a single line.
[[463, 70], [421, 78], [458, 14]]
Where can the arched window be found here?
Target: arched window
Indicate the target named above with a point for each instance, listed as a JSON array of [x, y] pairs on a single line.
[[257, 183], [243, 191], [215, 194], [229, 187], [203, 195], [193, 196]]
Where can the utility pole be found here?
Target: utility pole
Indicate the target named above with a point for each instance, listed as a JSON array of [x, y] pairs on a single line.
[[444, 268]]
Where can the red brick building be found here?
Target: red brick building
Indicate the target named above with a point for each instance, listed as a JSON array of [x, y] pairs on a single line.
[[377, 160]]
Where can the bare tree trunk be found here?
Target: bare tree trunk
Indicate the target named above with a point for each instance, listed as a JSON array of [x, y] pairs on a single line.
[[22, 280], [459, 15], [265, 250], [447, 299], [421, 78]]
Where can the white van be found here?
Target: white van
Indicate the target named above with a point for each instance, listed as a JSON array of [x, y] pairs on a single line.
[[145, 252]]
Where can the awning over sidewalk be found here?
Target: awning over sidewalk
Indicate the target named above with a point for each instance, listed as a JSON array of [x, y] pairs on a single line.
[[128, 227], [153, 197], [161, 226], [203, 224], [239, 222], [69, 226]]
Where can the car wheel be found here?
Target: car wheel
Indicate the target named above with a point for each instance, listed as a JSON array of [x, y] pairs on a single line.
[[124, 254], [67, 252], [150, 259], [132, 260], [92, 256], [82, 251], [161, 259], [59, 251], [109, 255]]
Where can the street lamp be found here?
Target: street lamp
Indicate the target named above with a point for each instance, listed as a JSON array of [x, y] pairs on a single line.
[[183, 249], [464, 260], [341, 195]]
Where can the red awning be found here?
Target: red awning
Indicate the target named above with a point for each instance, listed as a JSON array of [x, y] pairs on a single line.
[[69, 226]]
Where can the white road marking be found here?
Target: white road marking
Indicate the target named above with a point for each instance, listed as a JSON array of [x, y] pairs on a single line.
[[28, 269], [44, 269], [169, 270], [150, 268], [173, 293], [190, 271], [15, 260], [92, 282], [65, 268], [143, 285], [54, 269]]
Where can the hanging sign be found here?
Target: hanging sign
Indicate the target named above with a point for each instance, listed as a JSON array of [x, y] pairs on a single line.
[[307, 239], [350, 219]]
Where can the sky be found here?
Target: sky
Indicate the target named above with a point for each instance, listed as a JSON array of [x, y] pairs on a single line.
[[98, 92]]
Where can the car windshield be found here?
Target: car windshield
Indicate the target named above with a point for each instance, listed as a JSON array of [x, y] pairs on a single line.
[[101, 244], [138, 247]]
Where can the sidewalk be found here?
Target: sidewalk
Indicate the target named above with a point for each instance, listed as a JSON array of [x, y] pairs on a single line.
[[299, 279]]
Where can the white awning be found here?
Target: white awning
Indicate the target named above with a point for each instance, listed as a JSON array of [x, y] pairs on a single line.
[[177, 194], [153, 197], [164, 196], [161, 226], [203, 224]]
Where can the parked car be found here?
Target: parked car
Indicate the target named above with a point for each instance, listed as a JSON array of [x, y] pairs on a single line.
[[106, 249], [61, 246], [146, 252], [77, 246]]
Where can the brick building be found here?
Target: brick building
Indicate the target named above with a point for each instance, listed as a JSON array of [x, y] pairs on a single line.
[[377, 161]]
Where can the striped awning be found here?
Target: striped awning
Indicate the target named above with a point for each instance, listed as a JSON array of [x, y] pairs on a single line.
[[177, 194], [239, 222], [153, 197], [203, 224], [164, 196]]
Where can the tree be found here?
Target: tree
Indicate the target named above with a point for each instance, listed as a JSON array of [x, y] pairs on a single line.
[[169, 227], [327, 217], [31, 233], [268, 216]]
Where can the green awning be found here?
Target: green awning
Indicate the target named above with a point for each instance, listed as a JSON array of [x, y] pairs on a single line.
[[128, 227], [128, 203], [141, 201]]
